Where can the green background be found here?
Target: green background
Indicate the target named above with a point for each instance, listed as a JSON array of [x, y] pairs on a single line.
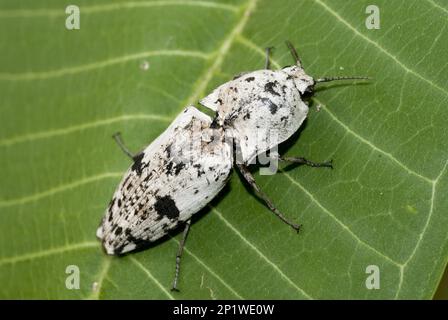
[[64, 93]]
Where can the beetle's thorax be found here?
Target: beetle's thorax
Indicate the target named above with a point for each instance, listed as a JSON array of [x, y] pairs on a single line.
[[261, 108], [230, 101]]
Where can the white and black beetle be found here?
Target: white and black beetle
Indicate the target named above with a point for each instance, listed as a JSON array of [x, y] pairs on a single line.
[[188, 164]]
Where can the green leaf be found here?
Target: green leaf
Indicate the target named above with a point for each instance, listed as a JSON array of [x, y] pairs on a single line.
[[65, 92]]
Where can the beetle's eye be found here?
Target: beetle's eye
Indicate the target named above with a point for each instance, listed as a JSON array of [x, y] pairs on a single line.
[[308, 93]]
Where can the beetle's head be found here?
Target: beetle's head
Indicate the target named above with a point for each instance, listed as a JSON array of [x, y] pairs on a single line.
[[304, 83]]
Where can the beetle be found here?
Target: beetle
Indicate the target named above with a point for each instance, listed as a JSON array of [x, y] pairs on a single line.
[[181, 171]]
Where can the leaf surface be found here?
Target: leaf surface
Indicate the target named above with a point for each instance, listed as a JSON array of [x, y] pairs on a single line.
[[64, 93]]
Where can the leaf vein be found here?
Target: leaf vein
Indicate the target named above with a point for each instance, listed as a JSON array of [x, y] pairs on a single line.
[[58, 189], [47, 252], [201, 85], [202, 263], [43, 75], [151, 277], [425, 227], [379, 47], [345, 227], [438, 6], [102, 275], [374, 147], [50, 12], [266, 259], [78, 127]]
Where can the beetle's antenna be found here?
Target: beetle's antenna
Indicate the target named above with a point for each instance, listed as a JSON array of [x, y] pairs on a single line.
[[328, 79], [294, 53]]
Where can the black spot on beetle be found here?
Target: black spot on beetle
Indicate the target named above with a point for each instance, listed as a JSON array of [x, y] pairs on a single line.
[[138, 164], [118, 231], [168, 151], [126, 180], [200, 171], [214, 124], [271, 105], [166, 207], [228, 122], [187, 127], [169, 167], [246, 116], [144, 214], [117, 251], [179, 166], [269, 87], [119, 203], [174, 168], [196, 191], [219, 101], [249, 79], [132, 239]]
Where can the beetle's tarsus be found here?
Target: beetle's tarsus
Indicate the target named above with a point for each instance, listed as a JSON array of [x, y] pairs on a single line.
[[301, 160], [179, 254]]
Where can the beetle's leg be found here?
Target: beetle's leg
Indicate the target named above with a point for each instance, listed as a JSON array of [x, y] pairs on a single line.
[[119, 141], [301, 160], [251, 180], [179, 254], [267, 62]]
